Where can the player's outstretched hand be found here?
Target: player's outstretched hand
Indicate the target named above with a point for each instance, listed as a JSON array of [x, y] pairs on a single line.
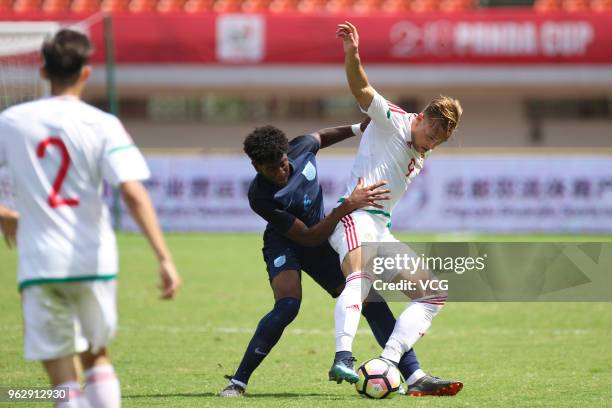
[[367, 196], [349, 35], [170, 280], [8, 224]]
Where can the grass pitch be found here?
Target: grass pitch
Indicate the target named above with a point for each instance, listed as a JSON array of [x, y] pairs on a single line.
[[174, 354]]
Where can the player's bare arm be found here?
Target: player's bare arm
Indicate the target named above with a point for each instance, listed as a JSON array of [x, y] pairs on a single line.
[[137, 200], [361, 196], [355, 74], [8, 224], [330, 136]]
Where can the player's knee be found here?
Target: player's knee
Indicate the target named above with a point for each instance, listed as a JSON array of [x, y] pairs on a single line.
[[287, 309]]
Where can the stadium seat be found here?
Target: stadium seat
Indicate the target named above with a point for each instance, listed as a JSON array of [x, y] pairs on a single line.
[[142, 6], [114, 5], [547, 5], [254, 6], [424, 6], [198, 6], [26, 6], [395, 6], [576, 5], [366, 6], [338, 6], [85, 6], [55, 6], [227, 6], [601, 5], [170, 6], [6, 5], [282, 6], [451, 6], [311, 6]]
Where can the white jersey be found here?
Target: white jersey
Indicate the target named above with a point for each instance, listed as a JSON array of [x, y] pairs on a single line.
[[59, 150], [386, 153]]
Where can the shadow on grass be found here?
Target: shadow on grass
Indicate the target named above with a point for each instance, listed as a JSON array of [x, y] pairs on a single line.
[[248, 396]]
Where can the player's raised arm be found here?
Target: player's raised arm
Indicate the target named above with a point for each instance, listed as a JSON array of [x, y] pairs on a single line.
[[355, 74], [330, 136], [361, 196], [8, 224]]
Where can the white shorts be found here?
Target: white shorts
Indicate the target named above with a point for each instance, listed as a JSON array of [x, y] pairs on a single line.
[[62, 319], [358, 227]]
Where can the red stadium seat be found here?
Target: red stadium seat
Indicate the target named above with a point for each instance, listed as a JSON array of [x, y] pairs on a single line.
[[282, 6], [547, 5], [170, 6], [395, 6], [338, 6], [85, 6], [55, 6], [198, 6], [576, 5], [424, 6], [255, 6], [311, 6], [601, 5], [366, 6], [451, 6], [227, 6], [142, 6], [114, 5], [26, 6], [6, 5]]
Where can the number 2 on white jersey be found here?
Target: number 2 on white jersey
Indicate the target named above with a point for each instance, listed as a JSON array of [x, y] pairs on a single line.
[[54, 199]]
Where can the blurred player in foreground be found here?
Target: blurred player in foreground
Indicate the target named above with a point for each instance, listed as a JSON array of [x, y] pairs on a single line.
[[59, 150], [287, 194], [393, 148]]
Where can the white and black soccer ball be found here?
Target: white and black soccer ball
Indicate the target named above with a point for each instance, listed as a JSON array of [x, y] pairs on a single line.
[[378, 379]]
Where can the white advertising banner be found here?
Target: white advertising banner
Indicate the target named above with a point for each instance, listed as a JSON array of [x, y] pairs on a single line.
[[553, 194]]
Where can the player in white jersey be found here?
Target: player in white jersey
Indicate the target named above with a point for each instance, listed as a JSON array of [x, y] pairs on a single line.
[[59, 151], [393, 149]]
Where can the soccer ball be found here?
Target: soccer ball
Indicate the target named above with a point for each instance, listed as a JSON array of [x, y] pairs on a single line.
[[378, 379]]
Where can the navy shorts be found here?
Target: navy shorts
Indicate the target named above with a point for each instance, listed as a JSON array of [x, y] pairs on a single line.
[[321, 263]]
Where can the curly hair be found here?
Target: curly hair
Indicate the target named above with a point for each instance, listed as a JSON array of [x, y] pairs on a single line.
[[266, 144], [64, 56]]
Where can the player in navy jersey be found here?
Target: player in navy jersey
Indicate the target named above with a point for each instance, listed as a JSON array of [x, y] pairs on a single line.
[[287, 194]]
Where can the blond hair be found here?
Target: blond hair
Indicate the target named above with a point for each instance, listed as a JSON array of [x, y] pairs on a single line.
[[445, 112]]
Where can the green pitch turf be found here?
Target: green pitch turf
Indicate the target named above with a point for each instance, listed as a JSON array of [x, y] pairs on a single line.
[[174, 354]]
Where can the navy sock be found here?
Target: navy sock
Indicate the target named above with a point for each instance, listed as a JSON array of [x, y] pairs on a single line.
[[381, 321], [267, 334], [342, 355]]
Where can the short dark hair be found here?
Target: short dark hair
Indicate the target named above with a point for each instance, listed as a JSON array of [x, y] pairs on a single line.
[[266, 144], [64, 56]]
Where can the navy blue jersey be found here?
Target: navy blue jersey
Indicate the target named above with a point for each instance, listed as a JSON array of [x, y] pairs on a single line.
[[301, 198]]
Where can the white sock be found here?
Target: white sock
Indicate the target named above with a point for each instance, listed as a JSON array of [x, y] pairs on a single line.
[[411, 325], [75, 399], [236, 382], [416, 376], [348, 309], [102, 389]]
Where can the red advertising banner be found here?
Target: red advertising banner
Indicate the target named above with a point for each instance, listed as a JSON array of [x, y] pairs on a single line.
[[482, 37]]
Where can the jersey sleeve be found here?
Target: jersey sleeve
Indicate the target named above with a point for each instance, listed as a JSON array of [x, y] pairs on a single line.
[[303, 144], [122, 160], [280, 219], [385, 114]]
